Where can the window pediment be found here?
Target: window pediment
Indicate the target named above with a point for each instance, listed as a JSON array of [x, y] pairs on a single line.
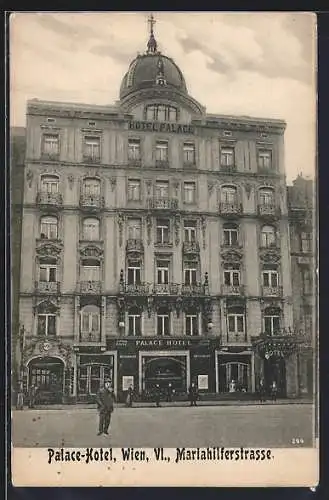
[[47, 307], [48, 250], [270, 257], [232, 256], [91, 251]]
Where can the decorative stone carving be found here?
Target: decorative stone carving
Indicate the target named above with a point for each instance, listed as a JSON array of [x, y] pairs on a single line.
[[211, 185], [203, 229], [148, 228], [178, 306], [121, 220], [248, 187], [70, 179], [48, 250], [270, 257], [176, 187], [148, 183], [91, 251], [113, 181], [177, 230], [231, 256], [29, 177], [47, 306]]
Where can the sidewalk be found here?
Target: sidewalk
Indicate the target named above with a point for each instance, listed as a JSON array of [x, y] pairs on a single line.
[[174, 404]]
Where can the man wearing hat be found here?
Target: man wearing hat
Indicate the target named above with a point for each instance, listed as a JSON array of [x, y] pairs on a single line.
[[105, 403]]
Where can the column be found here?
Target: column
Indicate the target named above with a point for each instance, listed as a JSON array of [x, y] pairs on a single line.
[[103, 320]]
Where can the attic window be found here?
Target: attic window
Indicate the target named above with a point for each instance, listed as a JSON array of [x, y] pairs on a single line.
[[51, 120]]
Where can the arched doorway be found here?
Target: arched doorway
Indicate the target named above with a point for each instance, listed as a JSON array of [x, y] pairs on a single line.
[[165, 370], [47, 374]]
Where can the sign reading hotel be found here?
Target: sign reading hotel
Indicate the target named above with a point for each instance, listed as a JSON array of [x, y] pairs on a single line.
[[161, 127], [159, 343]]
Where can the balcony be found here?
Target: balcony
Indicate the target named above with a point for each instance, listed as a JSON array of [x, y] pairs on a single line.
[[235, 338], [230, 209], [163, 203], [233, 290], [90, 287], [90, 338], [191, 247], [49, 156], [48, 287], [136, 289], [135, 162], [91, 159], [196, 289], [270, 211], [49, 200], [162, 164], [91, 201], [166, 289], [228, 168], [134, 246], [272, 291]]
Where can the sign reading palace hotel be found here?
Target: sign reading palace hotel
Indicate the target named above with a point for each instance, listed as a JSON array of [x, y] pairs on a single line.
[[161, 127]]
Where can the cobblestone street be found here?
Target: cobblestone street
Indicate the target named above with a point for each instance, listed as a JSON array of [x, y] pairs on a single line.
[[254, 425]]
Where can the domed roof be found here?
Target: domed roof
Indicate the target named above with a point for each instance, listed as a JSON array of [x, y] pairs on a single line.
[[151, 69]]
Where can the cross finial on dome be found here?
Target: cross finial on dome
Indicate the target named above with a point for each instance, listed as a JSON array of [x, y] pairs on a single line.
[[151, 44]]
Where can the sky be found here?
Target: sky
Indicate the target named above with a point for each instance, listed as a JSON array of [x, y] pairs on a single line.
[[255, 64]]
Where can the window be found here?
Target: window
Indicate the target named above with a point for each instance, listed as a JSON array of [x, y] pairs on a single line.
[[48, 270], [270, 276], [271, 321], [161, 151], [306, 242], [266, 197], [91, 187], [49, 228], [229, 195], [235, 321], [134, 229], [163, 321], [162, 229], [90, 319], [90, 270], [91, 229], [268, 236], [162, 189], [49, 184], [134, 190], [160, 112], [162, 272], [51, 144], [189, 231], [189, 192], [92, 148], [46, 325], [189, 152], [264, 159], [231, 235], [232, 275], [226, 156], [190, 273], [191, 323], [134, 272], [134, 149], [134, 321], [306, 277]]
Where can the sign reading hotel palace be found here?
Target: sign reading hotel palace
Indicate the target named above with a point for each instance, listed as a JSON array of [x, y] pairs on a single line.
[[161, 127]]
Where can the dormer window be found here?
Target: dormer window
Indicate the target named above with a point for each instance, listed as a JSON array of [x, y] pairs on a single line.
[[161, 113]]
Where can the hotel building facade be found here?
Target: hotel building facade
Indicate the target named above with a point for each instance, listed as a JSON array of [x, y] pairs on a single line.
[[155, 244]]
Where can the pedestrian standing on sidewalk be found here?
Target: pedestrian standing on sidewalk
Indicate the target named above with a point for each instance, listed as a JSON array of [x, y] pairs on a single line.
[[32, 395], [193, 394], [105, 403], [20, 397], [130, 396], [169, 393], [274, 391], [262, 390], [157, 395]]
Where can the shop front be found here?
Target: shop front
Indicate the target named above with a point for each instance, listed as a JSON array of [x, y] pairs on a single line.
[[148, 363], [235, 370]]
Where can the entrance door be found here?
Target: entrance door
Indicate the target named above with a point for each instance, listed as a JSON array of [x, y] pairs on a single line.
[[275, 370], [47, 374], [92, 371], [234, 376], [162, 371]]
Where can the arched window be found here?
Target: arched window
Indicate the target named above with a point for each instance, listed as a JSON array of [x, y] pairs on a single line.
[[272, 320], [266, 196], [49, 228], [134, 321], [90, 270], [91, 229], [49, 184], [91, 187], [229, 194], [163, 321], [161, 113], [231, 234], [90, 319], [268, 237]]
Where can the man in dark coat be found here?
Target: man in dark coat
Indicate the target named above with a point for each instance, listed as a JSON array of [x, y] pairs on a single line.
[[32, 395], [105, 403], [169, 393], [193, 394], [157, 395]]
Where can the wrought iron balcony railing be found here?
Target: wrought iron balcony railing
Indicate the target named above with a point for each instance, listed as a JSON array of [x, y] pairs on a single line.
[[163, 203], [235, 338], [91, 201], [134, 246], [195, 289], [48, 287], [90, 337], [166, 289], [228, 168], [233, 290], [269, 211], [230, 208], [91, 158], [50, 156], [191, 247], [90, 287], [136, 288], [49, 199], [162, 164], [272, 291]]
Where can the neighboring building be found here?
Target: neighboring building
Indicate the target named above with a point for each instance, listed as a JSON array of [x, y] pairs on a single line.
[[17, 157], [155, 244], [301, 207]]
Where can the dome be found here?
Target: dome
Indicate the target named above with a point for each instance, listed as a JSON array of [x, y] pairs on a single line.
[[152, 69]]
